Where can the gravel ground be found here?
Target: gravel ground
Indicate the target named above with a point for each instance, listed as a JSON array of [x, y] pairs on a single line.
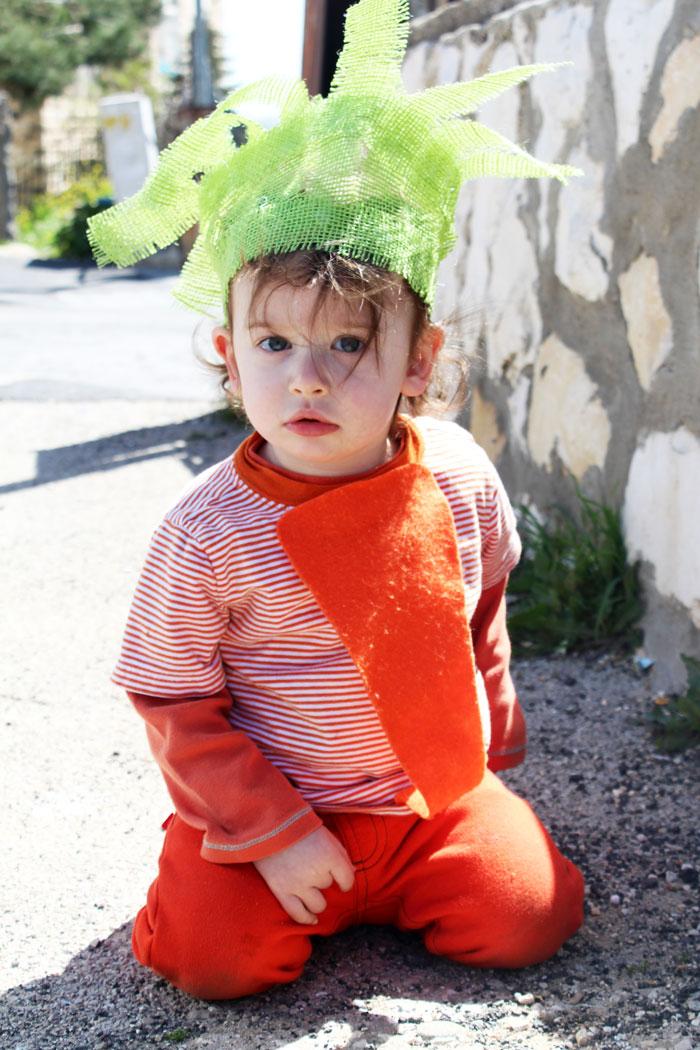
[[86, 483]]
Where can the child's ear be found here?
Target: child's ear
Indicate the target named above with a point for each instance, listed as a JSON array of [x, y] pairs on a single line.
[[423, 357], [223, 344], [221, 338]]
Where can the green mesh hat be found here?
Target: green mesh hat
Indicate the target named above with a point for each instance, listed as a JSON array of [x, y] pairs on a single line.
[[370, 172]]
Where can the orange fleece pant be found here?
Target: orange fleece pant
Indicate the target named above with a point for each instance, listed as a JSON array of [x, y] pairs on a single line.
[[482, 881]]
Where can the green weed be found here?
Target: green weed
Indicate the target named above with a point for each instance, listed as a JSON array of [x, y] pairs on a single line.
[[177, 1036], [574, 586], [56, 225], [675, 721]]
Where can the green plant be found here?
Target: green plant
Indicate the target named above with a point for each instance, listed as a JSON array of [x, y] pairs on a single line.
[[675, 721], [71, 239], [574, 586], [43, 42], [177, 1036], [56, 224]]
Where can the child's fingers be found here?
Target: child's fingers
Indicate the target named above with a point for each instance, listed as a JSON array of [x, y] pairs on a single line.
[[343, 857], [297, 910], [344, 874], [314, 900]]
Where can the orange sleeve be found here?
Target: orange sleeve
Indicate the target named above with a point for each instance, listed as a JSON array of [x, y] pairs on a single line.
[[492, 656], [220, 781]]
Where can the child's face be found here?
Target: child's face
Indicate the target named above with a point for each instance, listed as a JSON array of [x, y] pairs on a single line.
[[323, 406]]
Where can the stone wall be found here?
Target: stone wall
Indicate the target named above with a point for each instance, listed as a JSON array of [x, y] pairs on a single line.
[[582, 302]]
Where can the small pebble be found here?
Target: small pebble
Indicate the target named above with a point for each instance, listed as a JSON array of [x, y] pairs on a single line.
[[683, 1044], [524, 998], [439, 1031], [584, 1037], [518, 1024], [615, 898]]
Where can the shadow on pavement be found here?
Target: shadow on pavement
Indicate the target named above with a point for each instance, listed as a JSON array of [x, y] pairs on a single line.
[[197, 443], [86, 269], [37, 276], [167, 266]]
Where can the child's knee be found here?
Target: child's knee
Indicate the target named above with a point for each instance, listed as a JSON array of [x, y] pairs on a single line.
[[213, 930], [517, 929], [218, 964]]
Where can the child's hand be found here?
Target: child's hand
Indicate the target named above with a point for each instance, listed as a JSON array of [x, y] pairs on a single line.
[[297, 875]]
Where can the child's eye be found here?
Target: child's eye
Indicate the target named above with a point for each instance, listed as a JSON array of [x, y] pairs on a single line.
[[348, 344], [275, 343]]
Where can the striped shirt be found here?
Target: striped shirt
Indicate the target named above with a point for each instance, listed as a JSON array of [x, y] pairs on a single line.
[[219, 604]]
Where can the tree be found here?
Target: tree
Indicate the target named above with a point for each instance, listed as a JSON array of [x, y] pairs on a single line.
[[42, 42]]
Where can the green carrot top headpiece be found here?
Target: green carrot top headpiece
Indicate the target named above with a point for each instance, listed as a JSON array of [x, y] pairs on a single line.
[[369, 172]]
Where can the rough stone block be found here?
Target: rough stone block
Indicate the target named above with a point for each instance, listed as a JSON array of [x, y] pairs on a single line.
[[561, 96], [649, 327], [661, 512], [583, 251], [633, 31], [680, 89], [413, 70], [566, 414], [515, 323], [483, 424]]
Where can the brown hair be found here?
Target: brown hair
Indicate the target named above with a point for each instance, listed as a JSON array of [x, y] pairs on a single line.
[[359, 284]]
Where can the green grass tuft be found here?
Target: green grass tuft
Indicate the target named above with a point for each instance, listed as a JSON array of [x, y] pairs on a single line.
[[574, 587], [675, 721], [178, 1035]]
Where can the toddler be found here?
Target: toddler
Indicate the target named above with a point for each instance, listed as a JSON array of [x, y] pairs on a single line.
[[317, 642]]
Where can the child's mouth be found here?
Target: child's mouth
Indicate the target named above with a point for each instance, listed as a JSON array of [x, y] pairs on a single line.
[[310, 426]]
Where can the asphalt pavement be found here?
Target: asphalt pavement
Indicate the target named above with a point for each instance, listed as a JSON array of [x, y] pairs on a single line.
[[79, 333], [105, 415]]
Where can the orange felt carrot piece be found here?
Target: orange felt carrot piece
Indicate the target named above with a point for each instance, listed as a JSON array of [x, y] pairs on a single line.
[[380, 557]]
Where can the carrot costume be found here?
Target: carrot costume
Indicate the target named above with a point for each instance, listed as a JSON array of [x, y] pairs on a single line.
[[301, 647], [449, 818]]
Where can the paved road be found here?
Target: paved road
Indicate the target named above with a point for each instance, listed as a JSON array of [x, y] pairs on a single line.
[[79, 333], [104, 417]]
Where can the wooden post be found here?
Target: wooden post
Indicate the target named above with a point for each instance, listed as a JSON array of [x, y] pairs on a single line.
[[314, 36], [323, 38]]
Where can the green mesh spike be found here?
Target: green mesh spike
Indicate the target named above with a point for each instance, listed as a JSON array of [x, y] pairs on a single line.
[[370, 172]]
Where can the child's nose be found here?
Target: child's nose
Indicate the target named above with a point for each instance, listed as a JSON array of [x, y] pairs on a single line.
[[307, 375]]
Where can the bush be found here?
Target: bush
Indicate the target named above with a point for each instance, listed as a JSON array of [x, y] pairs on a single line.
[[71, 240], [574, 586], [56, 225], [676, 721]]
